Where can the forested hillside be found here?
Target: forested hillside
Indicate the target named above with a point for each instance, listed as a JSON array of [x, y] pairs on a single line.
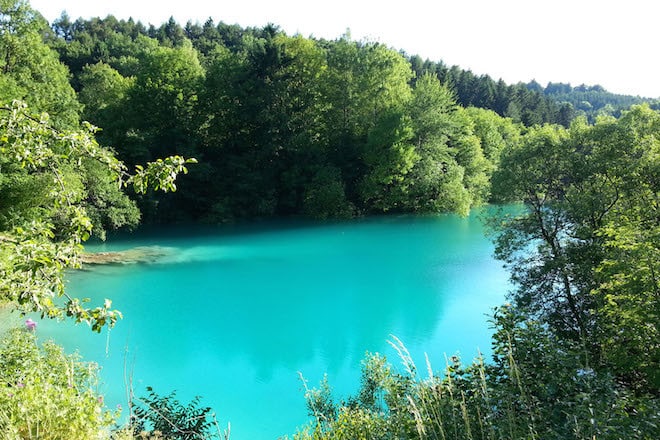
[[518, 102], [591, 101], [281, 125], [286, 125]]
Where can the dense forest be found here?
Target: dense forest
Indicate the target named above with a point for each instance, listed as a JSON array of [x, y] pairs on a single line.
[[281, 125], [284, 125]]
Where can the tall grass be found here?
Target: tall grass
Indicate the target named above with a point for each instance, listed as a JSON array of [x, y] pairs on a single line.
[[533, 388]]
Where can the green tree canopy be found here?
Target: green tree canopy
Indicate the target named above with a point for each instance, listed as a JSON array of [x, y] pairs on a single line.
[[584, 253], [29, 69]]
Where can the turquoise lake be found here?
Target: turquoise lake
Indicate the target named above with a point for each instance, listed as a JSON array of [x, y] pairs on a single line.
[[234, 313]]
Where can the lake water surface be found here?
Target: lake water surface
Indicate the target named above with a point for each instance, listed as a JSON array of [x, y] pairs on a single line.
[[234, 313]]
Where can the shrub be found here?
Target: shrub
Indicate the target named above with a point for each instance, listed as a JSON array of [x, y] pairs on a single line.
[[164, 417], [46, 394]]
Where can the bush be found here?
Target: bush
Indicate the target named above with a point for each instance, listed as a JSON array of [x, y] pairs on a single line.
[[164, 417], [46, 394], [536, 386]]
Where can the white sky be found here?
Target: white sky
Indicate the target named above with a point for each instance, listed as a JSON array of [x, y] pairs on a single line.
[[608, 42]]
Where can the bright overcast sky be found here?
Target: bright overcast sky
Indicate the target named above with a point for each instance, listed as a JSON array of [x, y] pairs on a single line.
[[613, 43]]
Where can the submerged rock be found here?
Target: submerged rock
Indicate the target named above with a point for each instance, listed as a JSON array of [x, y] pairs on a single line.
[[141, 254]]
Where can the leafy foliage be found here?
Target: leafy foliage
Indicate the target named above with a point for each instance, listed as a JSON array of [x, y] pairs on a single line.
[[46, 394], [42, 236], [591, 195], [536, 387], [29, 69], [166, 417]]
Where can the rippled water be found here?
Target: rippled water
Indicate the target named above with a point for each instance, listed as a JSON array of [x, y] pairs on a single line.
[[234, 313]]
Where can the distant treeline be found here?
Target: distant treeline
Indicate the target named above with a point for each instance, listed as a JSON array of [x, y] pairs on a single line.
[[592, 101]]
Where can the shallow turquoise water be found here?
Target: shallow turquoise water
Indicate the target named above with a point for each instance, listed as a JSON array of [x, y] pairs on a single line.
[[233, 314]]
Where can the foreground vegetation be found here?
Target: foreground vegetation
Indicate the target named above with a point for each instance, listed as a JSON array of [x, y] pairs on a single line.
[[327, 129], [534, 387]]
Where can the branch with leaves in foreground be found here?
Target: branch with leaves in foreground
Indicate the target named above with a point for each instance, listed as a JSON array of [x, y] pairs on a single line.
[[43, 219]]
